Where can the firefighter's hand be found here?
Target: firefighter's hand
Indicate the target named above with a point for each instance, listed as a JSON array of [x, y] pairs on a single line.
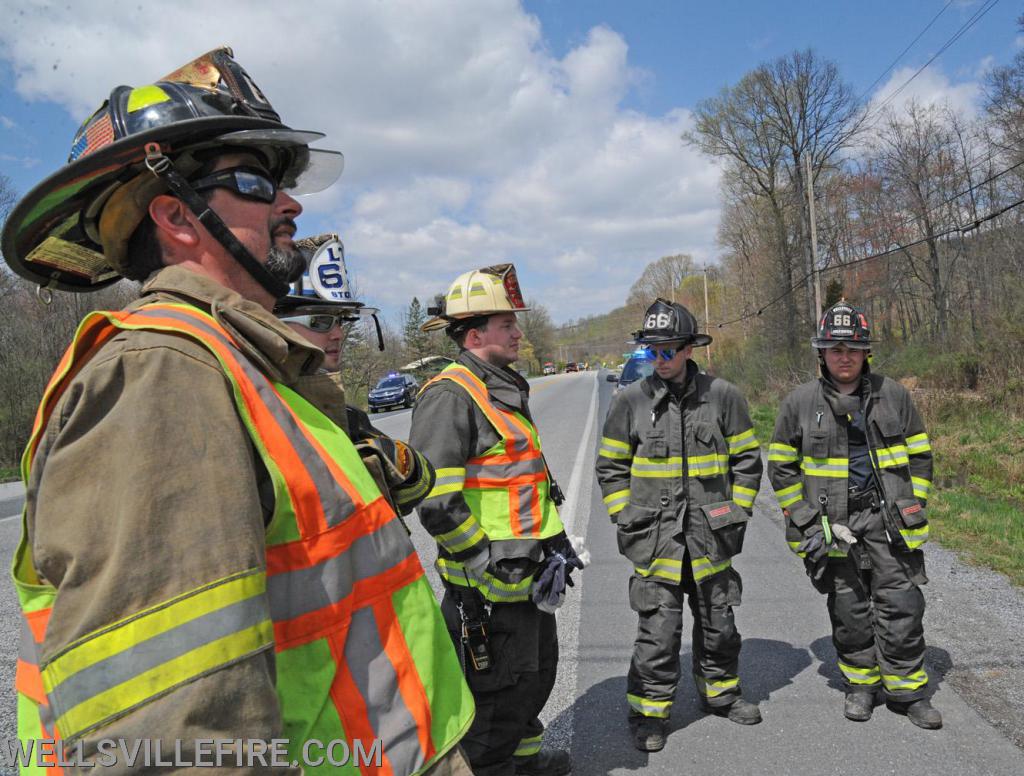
[[842, 533], [815, 551]]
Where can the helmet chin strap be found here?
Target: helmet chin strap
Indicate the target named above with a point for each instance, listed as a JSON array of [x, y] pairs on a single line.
[[163, 168]]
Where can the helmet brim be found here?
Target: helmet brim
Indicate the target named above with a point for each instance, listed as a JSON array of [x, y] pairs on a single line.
[[294, 304], [828, 344], [43, 240], [442, 322], [697, 340]]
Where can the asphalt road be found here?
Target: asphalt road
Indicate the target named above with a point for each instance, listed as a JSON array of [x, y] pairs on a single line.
[[974, 625]]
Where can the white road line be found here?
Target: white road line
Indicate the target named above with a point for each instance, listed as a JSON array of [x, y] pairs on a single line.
[[559, 709], [5, 519]]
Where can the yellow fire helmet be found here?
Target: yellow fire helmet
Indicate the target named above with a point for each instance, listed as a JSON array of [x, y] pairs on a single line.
[[477, 294]]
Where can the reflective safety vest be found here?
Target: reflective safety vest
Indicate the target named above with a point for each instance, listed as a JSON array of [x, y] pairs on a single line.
[[506, 488], [362, 652]]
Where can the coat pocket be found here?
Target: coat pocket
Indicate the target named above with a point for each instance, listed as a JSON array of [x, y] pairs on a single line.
[[638, 533], [912, 522], [728, 523]]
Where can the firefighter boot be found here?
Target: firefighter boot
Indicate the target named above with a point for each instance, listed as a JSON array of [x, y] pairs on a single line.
[[859, 706], [547, 762], [739, 711], [921, 713], [648, 734]]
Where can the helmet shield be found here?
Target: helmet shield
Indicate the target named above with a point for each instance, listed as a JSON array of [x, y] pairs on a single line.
[[53, 236], [843, 324], [667, 321]]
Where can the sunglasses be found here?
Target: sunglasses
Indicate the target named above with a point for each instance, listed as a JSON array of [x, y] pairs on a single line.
[[320, 322], [246, 182], [666, 354]]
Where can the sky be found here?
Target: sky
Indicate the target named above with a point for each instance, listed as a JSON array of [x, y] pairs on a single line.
[[475, 132]]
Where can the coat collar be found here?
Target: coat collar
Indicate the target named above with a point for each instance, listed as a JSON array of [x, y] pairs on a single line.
[[277, 351], [504, 384]]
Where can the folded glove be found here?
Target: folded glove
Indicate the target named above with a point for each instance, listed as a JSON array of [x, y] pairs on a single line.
[[402, 474]]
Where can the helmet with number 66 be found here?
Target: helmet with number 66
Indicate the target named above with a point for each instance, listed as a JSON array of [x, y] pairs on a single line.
[[667, 321], [843, 324]]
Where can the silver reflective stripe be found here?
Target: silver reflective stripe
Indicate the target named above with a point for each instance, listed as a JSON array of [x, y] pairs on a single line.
[[375, 677], [675, 467], [504, 471], [157, 650], [305, 590], [336, 504], [527, 495], [28, 652]]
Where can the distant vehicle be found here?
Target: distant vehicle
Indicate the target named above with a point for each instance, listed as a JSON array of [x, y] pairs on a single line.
[[395, 390], [639, 366], [549, 368], [571, 367]]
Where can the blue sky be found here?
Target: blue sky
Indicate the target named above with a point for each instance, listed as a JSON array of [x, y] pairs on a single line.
[[477, 131]]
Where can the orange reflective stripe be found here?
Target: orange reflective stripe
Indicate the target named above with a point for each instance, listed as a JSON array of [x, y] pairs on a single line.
[[329, 619], [37, 622], [303, 553], [29, 681], [505, 482], [409, 684], [80, 351], [308, 507], [478, 391]]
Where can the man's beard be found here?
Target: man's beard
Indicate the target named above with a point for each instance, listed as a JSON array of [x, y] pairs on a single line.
[[286, 264]]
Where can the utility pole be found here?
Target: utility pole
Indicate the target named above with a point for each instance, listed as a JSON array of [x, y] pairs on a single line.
[[814, 239], [707, 312]]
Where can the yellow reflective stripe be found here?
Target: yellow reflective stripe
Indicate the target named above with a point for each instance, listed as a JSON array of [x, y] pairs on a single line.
[[910, 682], [616, 502], [914, 537], [448, 480], [793, 546], [665, 568], [782, 453], [712, 688], [613, 448], [825, 467], [743, 496], [892, 456], [703, 568], [529, 746], [648, 707], [919, 443], [131, 631], [739, 443], [490, 587], [145, 96], [706, 465], [144, 656], [789, 496], [856, 675], [465, 536], [922, 487], [657, 467]]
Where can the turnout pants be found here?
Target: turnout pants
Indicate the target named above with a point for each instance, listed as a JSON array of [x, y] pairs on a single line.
[[654, 670], [877, 613], [523, 644]]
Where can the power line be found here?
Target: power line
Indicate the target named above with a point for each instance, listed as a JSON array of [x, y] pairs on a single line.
[[900, 55], [974, 19], [864, 259]]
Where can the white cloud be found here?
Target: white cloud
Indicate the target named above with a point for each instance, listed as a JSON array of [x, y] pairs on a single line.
[[466, 141], [7, 123], [27, 162], [934, 87]]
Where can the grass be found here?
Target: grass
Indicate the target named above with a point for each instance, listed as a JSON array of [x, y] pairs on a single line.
[[763, 416], [9, 473]]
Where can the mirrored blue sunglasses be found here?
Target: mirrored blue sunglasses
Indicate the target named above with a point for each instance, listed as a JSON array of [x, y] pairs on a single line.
[[666, 354]]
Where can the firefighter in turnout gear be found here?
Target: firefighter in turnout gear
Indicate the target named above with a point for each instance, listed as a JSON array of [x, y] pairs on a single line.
[[402, 474], [851, 466], [204, 554], [679, 469], [502, 551]]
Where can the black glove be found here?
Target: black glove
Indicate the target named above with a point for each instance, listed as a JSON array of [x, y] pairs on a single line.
[[815, 557]]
